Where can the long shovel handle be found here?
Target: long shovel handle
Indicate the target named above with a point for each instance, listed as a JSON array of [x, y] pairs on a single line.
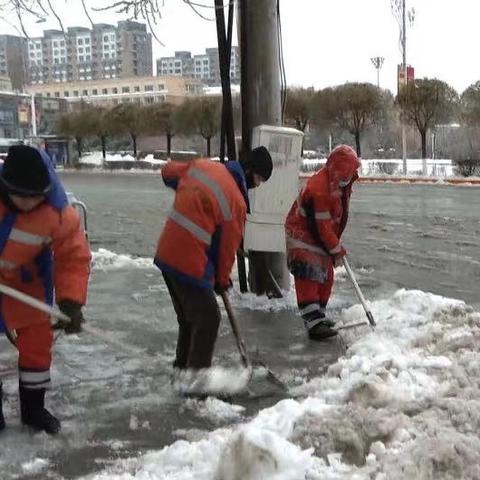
[[33, 302], [236, 330], [43, 307], [360, 296]]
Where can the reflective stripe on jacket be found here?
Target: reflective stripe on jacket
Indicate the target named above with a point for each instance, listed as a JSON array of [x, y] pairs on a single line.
[[318, 216], [205, 227], [43, 253]]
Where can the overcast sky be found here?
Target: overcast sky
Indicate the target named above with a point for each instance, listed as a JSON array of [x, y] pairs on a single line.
[[328, 42]]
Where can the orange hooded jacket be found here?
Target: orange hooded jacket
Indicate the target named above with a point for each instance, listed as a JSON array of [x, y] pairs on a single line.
[[43, 253], [318, 217], [205, 227]]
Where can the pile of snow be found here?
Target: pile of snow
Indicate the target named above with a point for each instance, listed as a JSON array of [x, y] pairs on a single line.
[[96, 158], [154, 161], [212, 381], [105, 260], [403, 403]]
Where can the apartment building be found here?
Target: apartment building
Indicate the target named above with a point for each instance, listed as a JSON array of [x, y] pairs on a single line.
[[13, 60], [83, 54], [204, 67], [109, 92]]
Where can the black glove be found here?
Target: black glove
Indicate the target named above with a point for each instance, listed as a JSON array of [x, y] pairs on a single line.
[[73, 310], [219, 289]]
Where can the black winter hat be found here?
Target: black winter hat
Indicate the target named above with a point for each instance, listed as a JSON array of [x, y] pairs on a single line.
[[259, 161], [24, 172]]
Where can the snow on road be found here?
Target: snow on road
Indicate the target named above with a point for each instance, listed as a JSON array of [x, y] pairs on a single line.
[[402, 403]]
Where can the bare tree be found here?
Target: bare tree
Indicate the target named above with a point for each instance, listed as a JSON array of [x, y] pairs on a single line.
[[14, 12], [163, 118], [128, 118], [202, 116], [299, 106], [426, 103], [76, 125], [353, 107], [97, 123]]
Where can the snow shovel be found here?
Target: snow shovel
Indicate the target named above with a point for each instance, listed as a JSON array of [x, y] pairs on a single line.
[[43, 307], [241, 345], [360, 296]]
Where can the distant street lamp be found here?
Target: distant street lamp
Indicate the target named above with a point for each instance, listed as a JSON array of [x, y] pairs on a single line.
[[378, 64]]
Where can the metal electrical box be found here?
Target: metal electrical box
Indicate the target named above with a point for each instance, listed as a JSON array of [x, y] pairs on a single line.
[[270, 203]]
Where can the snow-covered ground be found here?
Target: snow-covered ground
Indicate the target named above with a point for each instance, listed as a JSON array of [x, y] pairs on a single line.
[[401, 404]]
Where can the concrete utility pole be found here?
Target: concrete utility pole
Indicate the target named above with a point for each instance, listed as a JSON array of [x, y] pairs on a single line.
[[405, 79], [378, 64], [261, 104]]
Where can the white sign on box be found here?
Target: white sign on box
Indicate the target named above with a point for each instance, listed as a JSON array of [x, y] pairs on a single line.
[[270, 203]]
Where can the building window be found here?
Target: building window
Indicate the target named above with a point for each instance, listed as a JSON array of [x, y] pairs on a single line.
[[104, 91], [94, 91], [80, 41], [80, 50], [75, 93], [85, 93], [105, 38], [106, 55], [148, 88], [66, 93], [136, 88], [87, 41], [57, 94], [161, 86], [114, 90], [125, 89], [80, 58], [49, 94]]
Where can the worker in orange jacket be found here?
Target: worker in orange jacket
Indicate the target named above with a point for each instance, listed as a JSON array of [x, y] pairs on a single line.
[[196, 250], [313, 228], [43, 253]]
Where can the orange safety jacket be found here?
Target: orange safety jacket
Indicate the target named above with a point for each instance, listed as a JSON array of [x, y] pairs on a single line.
[[205, 226], [317, 218], [43, 253]]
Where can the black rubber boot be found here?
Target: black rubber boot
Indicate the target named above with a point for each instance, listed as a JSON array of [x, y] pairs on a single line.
[[2, 418], [34, 414], [321, 331]]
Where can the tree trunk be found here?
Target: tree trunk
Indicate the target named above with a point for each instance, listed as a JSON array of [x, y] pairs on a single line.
[[79, 147], [134, 142], [357, 144], [103, 139], [169, 144], [423, 134], [209, 141]]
